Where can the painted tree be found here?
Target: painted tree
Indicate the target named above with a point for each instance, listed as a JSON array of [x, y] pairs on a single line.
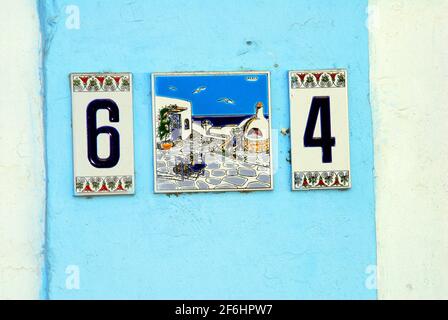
[[164, 129]]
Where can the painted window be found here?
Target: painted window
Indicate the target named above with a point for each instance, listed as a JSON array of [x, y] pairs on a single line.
[[255, 133]]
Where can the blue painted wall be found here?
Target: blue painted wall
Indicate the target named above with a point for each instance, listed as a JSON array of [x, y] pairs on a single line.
[[278, 244]]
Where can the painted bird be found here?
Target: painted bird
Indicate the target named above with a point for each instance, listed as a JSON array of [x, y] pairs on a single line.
[[199, 90], [172, 88], [226, 100]]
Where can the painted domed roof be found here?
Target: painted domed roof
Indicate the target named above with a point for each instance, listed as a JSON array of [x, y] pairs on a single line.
[[257, 127]]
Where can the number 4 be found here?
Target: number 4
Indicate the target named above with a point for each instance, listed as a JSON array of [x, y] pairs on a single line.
[[326, 141]]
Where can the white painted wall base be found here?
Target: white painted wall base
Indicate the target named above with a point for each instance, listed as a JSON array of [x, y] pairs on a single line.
[[409, 75], [22, 187]]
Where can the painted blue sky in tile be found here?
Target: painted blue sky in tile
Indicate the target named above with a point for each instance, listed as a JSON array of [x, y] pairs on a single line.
[[219, 94]]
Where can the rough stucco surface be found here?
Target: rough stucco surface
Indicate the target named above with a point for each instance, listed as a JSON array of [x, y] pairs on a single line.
[[22, 191], [409, 73], [275, 244]]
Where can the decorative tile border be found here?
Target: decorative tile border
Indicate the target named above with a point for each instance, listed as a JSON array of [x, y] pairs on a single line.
[[321, 180], [104, 185], [327, 79], [101, 82]]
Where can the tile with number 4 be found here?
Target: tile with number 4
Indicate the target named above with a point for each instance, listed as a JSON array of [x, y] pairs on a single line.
[[320, 147], [102, 120]]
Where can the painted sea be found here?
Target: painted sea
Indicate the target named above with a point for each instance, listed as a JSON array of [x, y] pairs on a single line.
[[220, 121]]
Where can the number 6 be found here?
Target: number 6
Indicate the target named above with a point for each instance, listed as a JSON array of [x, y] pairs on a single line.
[[93, 132]]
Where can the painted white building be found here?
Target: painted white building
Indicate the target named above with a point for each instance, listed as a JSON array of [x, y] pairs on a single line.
[[256, 131], [181, 120]]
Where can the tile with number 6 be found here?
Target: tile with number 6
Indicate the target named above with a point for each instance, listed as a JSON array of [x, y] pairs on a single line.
[[320, 146], [102, 121]]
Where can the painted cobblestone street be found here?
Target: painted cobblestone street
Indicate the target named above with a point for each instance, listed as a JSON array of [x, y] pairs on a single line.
[[234, 170]]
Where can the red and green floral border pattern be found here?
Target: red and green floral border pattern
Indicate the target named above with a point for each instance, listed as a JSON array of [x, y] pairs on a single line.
[[104, 185], [101, 82], [321, 180], [318, 79]]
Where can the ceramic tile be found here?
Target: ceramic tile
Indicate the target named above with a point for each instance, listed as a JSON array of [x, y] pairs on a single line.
[[320, 148], [212, 132], [102, 121]]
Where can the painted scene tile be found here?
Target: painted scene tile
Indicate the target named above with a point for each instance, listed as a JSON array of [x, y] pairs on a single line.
[[320, 147], [212, 132], [102, 120]]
